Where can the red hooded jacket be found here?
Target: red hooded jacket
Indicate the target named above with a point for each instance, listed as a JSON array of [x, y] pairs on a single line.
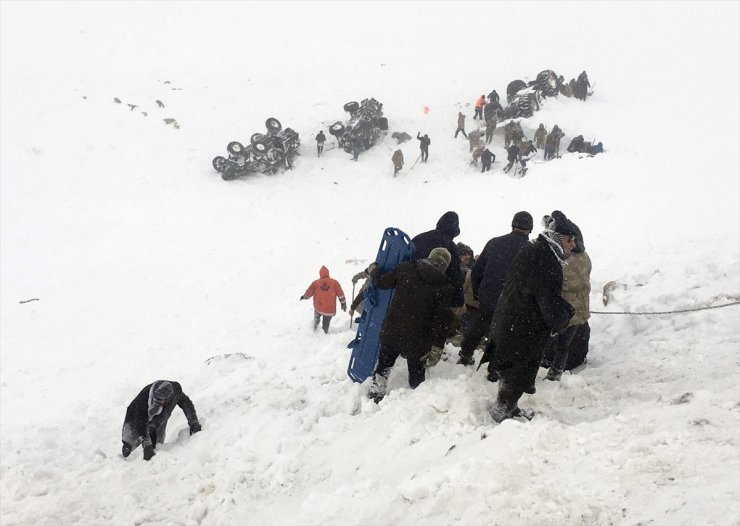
[[325, 292]]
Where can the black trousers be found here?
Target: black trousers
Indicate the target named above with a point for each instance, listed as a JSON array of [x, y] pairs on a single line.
[[324, 323], [477, 329], [478, 113], [424, 154], [463, 132], [320, 148], [388, 356]]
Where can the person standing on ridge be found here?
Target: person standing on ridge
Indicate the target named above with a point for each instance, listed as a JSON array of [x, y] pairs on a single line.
[[320, 140], [424, 143]]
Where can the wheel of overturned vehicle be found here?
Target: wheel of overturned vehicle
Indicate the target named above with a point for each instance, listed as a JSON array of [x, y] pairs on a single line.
[[257, 138], [273, 125], [336, 129], [230, 173], [260, 147], [351, 107], [235, 148], [219, 163], [514, 87]]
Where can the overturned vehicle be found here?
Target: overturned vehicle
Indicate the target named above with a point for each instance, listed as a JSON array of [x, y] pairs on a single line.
[[266, 152], [364, 127]]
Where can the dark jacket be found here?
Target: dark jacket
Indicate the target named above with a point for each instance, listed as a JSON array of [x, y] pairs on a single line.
[[448, 228], [489, 112], [512, 152], [424, 142], [321, 138], [419, 313], [492, 268], [487, 157], [138, 428], [529, 308]]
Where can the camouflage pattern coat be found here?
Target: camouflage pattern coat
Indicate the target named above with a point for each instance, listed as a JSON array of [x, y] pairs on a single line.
[[577, 286]]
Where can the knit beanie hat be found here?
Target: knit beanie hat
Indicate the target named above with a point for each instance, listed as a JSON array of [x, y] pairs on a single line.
[[557, 222], [440, 256], [522, 220], [163, 391]]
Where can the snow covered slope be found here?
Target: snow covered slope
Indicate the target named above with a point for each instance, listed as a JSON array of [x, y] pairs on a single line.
[[146, 264]]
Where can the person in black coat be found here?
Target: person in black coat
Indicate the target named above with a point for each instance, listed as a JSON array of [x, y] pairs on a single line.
[[320, 140], [487, 158], [488, 277], [448, 228], [512, 155], [148, 413], [424, 143], [493, 97], [417, 320], [529, 311]]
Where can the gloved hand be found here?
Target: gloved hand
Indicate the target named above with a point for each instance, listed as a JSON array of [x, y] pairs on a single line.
[[126, 449], [351, 312], [302, 297], [344, 307], [371, 268], [194, 428], [431, 358], [148, 452]]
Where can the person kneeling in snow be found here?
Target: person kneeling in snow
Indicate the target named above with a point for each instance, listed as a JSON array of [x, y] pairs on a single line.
[[325, 292], [417, 320], [148, 413]]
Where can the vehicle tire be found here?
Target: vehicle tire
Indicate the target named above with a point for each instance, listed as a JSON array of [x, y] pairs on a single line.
[[336, 129], [260, 148], [273, 125], [257, 138], [219, 164], [514, 87], [235, 148], [351, 107], [383, 123]]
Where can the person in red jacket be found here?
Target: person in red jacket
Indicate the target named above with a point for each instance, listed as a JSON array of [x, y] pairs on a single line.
[[325, 292], [479, 107]]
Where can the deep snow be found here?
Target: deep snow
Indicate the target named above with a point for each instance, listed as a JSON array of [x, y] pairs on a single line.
[[146, 264]]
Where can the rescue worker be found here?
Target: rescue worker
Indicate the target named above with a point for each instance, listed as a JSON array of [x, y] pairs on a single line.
[[397, 162], [479, 107]]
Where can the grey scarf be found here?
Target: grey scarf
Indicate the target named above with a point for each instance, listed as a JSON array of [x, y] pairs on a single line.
[[154, 408]]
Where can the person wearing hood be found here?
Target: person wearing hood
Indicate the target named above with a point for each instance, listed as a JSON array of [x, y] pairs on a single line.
[[530, 310], [487, 281], [568, 350], [325, 292], [417, 320], [487, 158], [148, 413], [460, 124], [424, 143], [539, 136], [448, 228]]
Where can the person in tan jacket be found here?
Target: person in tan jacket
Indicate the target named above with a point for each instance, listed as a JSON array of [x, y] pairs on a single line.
[[539, 136], [460, 124], [576, 291]]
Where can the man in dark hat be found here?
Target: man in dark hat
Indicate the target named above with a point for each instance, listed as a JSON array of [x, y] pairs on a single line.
[[448, 228], [148, 413], [529, 311], [488, 277], [417, 320]]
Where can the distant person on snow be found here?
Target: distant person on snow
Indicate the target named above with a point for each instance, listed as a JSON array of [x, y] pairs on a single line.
[[479, 107], [148, 413], [356, 147], [447, 229], [325, 292], [397, 162], [417, 320], [577, 145], [424, 143], [582, 85], [474, 138], [539, 136], [512, 154], [493, 97], [487, 158], [489, 112], [461, 125], [529, 311], [320, 140]]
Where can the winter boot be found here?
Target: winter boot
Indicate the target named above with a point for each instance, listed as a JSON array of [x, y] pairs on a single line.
[[553, 375], [377, 390]]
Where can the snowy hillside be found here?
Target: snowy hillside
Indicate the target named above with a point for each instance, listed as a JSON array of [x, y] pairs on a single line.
[[143, 264]]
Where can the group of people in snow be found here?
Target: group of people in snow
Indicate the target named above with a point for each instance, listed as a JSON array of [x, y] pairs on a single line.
[[527, 299]]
